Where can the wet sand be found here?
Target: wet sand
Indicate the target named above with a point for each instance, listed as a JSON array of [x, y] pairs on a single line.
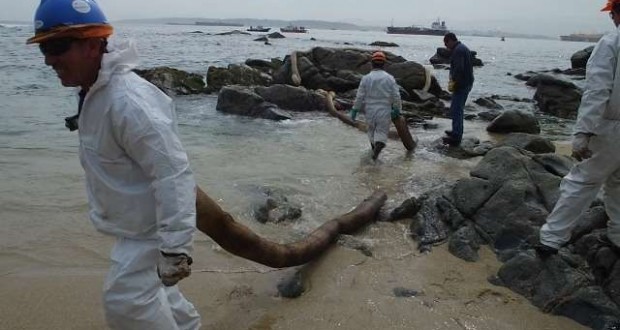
[[344, 290]]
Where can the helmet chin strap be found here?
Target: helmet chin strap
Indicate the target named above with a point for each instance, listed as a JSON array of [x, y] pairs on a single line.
[[71, 122]]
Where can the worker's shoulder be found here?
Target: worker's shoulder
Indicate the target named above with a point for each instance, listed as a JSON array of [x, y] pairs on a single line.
[[461, 48], [610, 38]]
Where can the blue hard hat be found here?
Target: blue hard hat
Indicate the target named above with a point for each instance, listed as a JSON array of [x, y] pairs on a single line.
[[56, 13]]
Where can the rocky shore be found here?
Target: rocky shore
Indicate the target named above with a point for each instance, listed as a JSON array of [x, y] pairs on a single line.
[[504, 201]]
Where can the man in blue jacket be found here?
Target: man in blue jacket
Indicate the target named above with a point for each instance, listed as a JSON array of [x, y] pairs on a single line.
[[461, 81]]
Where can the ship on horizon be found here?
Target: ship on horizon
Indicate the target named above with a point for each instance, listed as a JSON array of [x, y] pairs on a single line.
[[438, 28], [258, 28], [293, 29]]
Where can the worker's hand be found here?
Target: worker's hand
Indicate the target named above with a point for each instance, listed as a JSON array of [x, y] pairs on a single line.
[[580, 146], [172, 268], [395, 113], [451, 86], [353, 114]]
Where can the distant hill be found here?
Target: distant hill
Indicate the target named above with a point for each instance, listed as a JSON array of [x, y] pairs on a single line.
[[310, 24]]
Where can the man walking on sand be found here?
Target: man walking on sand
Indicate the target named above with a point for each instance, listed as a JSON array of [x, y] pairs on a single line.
[[460, 84], [595, 146], [138, 180]]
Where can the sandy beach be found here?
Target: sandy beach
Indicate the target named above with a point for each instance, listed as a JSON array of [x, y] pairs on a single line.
[[344, 290]]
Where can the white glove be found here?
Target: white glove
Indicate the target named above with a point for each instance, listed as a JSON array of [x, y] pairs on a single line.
[[580, 146], [172, 268]]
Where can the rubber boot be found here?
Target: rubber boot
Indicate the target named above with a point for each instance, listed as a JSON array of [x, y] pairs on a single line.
[[377, 150]]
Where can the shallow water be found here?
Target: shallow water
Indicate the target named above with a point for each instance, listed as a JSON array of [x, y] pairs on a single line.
[[317, 161]]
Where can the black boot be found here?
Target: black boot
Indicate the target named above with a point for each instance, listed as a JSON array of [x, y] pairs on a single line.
[[544, 251], [377, 150], [451, 141]]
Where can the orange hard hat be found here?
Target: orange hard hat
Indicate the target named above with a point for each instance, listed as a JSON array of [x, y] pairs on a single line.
[[378, 57], [609, 4]]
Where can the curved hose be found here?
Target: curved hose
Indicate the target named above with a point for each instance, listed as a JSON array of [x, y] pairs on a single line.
[[295, 76], [241, 241]]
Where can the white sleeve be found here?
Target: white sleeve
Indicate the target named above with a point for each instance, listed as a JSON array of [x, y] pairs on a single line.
[[600, 72], [395, 94], [360, 97], [147, 131]]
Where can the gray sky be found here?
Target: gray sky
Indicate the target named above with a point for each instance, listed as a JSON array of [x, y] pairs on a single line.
[[548, 17]]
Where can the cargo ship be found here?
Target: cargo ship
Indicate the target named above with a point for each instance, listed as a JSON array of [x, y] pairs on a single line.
[[438, 28], [294, 29], [259, 28]]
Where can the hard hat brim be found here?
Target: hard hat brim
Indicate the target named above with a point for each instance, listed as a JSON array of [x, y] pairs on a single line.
[[41, 37], [75, 31]]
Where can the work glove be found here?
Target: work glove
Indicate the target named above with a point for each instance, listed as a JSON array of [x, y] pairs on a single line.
[[173, 267], [451, 86], [395, 113], [353, 114], [580, 146]]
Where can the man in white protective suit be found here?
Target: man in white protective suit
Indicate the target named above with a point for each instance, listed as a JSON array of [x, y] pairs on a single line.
[[139, 184], [378, 95], [595, 145]]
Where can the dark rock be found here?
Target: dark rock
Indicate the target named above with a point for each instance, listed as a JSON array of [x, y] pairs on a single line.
[[409, 75], [174, 82], [276, 35], [292, 98], [514, 121], [520, 273], [449, 213], [594, 218], [418, 95], [470, 194], [525, 76], [233, 32], [427, 227], [464, 244], [580, 59], [488, 103], [243, 101], [556, 97], [489, 115], [588, 306], [273, 206], [404, 292], [408, 209], [292, 286], [529, 142], [558, 165], [235, 74], [383, 44]]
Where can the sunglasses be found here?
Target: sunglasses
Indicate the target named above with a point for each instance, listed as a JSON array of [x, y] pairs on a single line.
[[56, 47]]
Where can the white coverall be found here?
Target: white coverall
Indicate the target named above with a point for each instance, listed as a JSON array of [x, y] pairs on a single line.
[[599, 114], [140, 189], [377, 95]]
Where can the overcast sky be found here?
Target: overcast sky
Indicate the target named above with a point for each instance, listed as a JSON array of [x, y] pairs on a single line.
[[548, 17]]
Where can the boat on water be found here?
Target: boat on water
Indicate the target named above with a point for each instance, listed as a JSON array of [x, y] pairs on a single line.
[[293, 29], [438, 28], [583, 37], [258, 28]]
